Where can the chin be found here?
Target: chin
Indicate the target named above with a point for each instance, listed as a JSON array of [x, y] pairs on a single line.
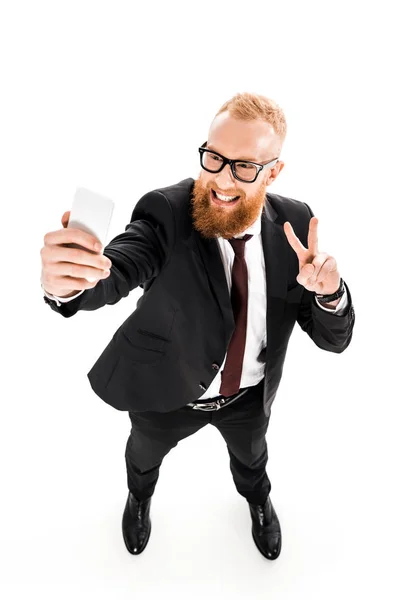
[[212, 220]]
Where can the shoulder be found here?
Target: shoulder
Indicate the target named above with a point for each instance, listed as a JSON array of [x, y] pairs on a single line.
[[175, 195], [288, 209], [181, 188], [168, 206], [172, 201]]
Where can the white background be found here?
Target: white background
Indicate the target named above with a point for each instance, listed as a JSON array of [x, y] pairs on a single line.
[[104, 95]]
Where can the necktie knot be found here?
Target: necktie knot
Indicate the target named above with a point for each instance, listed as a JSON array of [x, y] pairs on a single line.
[[238, 244]]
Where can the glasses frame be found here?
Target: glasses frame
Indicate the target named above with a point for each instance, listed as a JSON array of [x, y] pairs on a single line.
[[232, 164]]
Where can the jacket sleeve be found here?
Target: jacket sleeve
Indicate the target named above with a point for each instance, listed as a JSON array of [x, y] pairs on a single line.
[[137, 255], [329, 331]]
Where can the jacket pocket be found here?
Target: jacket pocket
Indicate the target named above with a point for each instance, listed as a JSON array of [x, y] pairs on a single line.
[[154, 335], [146, 350]]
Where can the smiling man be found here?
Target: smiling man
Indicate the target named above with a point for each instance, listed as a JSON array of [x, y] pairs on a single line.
[[227, 270], [214, 211]]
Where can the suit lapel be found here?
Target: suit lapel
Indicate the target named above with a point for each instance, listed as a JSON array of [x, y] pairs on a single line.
[[276, 256]]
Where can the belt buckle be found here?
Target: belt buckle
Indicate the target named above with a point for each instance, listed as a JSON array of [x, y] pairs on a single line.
[[208, 406], [217, 404]]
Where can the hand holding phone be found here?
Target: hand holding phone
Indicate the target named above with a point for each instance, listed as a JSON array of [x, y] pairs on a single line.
[[92, 213], [70, 260]]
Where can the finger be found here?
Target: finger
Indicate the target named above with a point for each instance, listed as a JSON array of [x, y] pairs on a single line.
[[60, 254], [62, 283], [318, 262], [72, 235], [67, 269], [312, 239], [328, 266], [293, 239], [305, 273], [65, 218]]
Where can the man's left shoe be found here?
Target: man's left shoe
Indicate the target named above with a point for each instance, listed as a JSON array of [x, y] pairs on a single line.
[[266, 529]]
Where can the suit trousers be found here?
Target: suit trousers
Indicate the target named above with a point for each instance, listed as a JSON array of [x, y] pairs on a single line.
[[242, 424]]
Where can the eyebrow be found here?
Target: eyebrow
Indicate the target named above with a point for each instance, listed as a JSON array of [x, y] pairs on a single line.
[[249, 159]]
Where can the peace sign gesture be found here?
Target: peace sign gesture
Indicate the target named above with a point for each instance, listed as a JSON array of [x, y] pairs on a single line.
[[317, 270]]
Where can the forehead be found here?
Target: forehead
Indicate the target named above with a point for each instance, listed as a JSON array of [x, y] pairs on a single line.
[[246, 140]]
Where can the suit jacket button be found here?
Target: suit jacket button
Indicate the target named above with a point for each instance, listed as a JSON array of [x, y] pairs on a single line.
[[215, 367]]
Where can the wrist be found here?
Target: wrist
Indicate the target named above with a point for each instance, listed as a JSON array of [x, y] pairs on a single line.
[[73, 293], [332, 297], [331, 304]]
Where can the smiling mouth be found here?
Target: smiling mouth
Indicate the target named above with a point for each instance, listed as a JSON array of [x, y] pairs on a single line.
[[223, 202]]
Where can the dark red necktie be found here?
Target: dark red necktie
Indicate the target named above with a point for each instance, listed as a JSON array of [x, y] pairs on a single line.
[[232, 372]]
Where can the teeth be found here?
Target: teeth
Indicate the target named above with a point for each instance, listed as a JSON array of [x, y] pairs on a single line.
[[225, 198]]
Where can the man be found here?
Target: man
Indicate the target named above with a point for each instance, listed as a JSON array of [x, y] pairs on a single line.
[[227, 269]]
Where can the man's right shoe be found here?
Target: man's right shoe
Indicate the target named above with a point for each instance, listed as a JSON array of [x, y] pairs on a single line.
[[266, 529], [136, 524]]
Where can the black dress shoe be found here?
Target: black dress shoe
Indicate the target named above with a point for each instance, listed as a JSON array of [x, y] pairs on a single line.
[[266, 529], [136, 524]]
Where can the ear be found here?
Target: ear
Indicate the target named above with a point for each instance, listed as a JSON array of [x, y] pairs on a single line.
[[275, 172]]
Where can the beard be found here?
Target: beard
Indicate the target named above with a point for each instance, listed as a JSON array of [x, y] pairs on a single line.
[[213, 221]]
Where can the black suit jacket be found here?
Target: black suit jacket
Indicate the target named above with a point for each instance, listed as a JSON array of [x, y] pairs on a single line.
[[168, 351]]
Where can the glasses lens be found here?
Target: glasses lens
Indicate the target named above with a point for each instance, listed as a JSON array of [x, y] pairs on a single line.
[[211, 161], [245, 171]]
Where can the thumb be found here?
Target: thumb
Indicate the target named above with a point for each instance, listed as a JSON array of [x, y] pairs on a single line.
[[65, 218]]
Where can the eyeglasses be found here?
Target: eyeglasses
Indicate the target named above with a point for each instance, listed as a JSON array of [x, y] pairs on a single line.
[[243, 170]]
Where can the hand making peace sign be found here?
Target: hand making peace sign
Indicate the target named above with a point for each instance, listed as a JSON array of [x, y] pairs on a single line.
[[317, 270]]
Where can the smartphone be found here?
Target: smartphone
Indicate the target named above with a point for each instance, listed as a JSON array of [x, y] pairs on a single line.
[[92, 213]]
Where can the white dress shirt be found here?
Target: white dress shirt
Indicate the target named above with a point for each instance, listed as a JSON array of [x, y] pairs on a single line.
[[256, 334]]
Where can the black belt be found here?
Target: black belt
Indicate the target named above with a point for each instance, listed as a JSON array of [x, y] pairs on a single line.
[[220, 402]]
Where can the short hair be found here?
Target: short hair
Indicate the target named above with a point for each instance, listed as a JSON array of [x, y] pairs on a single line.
[[246, 106]]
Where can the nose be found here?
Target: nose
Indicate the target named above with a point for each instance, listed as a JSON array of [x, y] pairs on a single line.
[[225, 179]]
